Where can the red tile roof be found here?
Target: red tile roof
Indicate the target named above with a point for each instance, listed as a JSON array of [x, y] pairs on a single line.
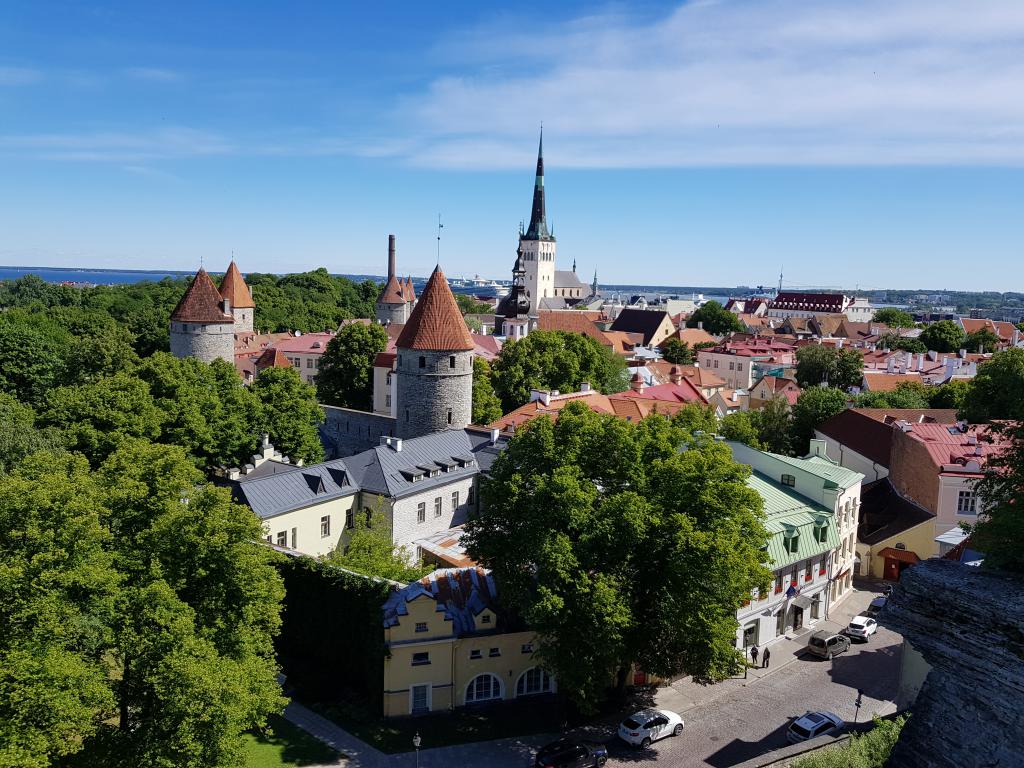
[[233, 288], [272, 358], [201, 303], [880, 381], [307, 343], [409, 291], [683, 392], [947, 445], [809, 302], [392, 293], [572, 321], [436, 323]]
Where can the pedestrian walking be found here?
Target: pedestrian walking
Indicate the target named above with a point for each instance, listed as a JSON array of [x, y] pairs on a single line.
[[753, 654], [765, 657]]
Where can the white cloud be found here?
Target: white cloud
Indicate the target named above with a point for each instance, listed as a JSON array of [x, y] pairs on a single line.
[[121, 147], [724, 83], [19, 76], [154, 74]]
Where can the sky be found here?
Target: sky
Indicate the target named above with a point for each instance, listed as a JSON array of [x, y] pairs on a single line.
[[871, 144]]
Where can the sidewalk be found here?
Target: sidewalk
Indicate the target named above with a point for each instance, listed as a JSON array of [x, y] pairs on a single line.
[[684, 694]]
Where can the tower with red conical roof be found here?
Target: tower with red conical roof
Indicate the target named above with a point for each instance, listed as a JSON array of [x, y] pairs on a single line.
[[434, 366], [234, 289], [202, 325], [392, 305]]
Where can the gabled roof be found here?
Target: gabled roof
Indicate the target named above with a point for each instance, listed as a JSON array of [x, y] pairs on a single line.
[[692, 337], [787, 512], [201, 303], [834, 475], [809, 302], [572, 321], [272, 358], [287, 491], [881, 381], [233, 288], [436, 323], [884, 513], [683, 392], [460, 593], [566, 278], [643, 321], [409, 292]]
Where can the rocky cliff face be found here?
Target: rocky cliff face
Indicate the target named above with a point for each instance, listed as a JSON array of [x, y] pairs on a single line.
[[969, 626]]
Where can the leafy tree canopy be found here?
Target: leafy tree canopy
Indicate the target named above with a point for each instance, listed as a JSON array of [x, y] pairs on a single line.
[[486, 405], [904, 343], [943, 336], [981, 340], [893, 317], [19, 435], [291, 413], [617, 547], [1000, 530], [715, 319], [814, 406], [817, 364], [554, 360], [741, 427], [468, 305], [677, 352], [952, 394], [370, 550], [774, 425], [346, 367], [997, 392], [908, 394]]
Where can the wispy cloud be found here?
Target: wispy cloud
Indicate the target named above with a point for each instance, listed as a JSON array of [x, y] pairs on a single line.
[[120, 147], [154, 74], [728, 83], [19, 76]]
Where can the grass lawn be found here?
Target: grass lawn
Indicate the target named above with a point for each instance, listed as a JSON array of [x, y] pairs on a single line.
[[283, 744], [468, 724]]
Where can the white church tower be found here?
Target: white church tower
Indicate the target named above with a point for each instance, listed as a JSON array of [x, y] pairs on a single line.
[[537, 244]]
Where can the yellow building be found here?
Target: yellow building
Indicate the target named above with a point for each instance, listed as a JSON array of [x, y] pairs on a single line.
[[448, 646], [894, 533]]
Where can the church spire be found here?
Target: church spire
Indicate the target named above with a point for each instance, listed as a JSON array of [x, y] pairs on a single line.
[[538, 229]]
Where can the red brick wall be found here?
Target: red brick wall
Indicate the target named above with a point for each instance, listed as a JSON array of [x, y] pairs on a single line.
[[912, 471]]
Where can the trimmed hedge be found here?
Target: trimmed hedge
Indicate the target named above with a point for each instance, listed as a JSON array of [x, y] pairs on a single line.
[[331, 643]]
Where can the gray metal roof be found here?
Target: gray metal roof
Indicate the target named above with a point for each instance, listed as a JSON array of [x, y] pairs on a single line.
[[287, 491], [381, 470], [566, 278]]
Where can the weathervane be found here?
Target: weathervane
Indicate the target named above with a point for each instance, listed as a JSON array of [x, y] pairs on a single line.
[[440, 226]]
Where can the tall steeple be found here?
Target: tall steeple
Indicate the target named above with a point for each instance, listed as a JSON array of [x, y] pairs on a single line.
[[538, 229]]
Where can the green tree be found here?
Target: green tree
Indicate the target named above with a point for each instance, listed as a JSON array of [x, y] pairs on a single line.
[[370, 550], [617, 547], [814, 406], [818, 364], [774, 424], [470, 306], [554, 360], [677, 352], [904, 343], [291, 413], [486, 405], [1020, 327], [31, 362], [908, 394], [943, 336], [192, 633], [346, 367], [893, 317], [863, 750], [96, 418], [1000, 529], [715, 319], [952, 394], [19, 435], [997, 392], [741, 427], [56, 603], [981, 340]]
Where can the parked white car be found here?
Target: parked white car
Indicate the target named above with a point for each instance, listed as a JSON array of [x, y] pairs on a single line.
[[862, 627], [648, 725], [812, 725]]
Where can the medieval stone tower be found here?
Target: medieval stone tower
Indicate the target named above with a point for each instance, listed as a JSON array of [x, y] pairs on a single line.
[[234, 289], [393, 304], [434, 368], [202, 324], [537, 244]]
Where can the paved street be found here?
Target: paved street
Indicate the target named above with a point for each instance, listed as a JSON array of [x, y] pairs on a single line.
[[726, 723]]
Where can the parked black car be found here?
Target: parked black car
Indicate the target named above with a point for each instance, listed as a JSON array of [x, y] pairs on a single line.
[[572, 753]]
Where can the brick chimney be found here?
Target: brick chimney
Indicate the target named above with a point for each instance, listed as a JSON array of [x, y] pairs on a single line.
[[637, 383], [675, 375]]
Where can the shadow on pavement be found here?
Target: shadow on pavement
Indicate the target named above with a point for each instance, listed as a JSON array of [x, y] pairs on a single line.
[[874, 671], [737, 751]]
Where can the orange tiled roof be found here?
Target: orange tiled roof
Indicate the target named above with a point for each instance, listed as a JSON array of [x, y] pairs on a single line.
[[392, 293], [622, 405], [879, 381], [409, 291], [272, 358], [201, 303], [692, 336], [233, 288], [436, 323], [572, 321]]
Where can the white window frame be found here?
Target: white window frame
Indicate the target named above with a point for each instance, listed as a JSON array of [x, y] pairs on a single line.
[[969, 496], [430, 697], [472, 684], [523, 679]]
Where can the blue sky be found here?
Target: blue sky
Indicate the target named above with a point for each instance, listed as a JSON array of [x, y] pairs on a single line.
[[707, 143]]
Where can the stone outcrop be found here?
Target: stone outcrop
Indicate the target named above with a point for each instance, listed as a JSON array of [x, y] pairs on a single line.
[[968, 624]]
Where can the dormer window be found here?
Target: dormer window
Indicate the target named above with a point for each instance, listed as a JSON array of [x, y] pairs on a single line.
[[789, 480]]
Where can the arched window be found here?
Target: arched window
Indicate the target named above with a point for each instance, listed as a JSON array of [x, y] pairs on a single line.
[[532, 681], [485, 687]]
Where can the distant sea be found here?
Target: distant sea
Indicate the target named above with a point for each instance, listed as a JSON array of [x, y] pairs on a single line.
[[125, 276]]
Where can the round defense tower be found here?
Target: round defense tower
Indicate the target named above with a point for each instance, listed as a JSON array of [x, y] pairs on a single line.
[[202, 325], [434, 367]]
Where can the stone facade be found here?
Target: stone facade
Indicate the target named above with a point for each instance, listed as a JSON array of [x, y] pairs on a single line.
[[434, 391], [967, 624], [403, 514], [243, 319], [345, 432], [392, 313], [206, 342]]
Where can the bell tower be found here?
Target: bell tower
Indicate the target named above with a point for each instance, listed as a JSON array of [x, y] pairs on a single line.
[[537, 244]]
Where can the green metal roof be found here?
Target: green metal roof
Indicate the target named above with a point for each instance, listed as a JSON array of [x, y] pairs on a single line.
[[834, 475], [785, 511]]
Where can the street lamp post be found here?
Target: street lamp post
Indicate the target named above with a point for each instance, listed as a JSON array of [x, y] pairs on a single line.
[[857, 703], [416, 744]]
